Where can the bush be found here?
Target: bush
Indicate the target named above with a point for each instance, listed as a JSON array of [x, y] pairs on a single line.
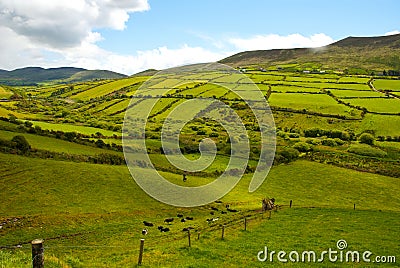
[[329, 142], [21, 143], [312, 132], [286, 155], [339, 141], [367, 139], [366, 150], [303, 147], [313, 141], [201, 132]]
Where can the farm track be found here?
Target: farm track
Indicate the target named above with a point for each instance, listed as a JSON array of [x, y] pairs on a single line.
[[371, 85]]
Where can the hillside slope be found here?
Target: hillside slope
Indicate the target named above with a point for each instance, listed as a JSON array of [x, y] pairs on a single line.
[[370, 53], [34, 75]]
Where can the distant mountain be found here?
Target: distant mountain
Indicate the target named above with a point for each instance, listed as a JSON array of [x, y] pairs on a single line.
[[34, 75], [148, 72], [368, 53]]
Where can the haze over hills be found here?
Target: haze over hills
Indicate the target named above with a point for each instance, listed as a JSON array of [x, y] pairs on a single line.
[[361, 54], [34, 75], [367, 53]]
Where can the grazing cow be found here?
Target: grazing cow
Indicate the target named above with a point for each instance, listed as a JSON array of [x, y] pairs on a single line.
[[187, 229], [183, 220], [179, 215], [166, 229], [268, 204], [223, 212], [212, 212], [169, 220], [231, 210], [160, 228], [184, 178], [148, 224], [214, 208], [218, 201], [144, 232], [212, 220], [189, 218]]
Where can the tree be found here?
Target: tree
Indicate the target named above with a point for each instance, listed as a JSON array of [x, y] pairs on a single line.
[[367, 139], [21, 143]]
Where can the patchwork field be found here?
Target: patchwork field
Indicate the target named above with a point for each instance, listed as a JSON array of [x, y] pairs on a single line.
[[337, 159]]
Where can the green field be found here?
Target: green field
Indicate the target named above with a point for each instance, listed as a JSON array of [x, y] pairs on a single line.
[[117, 107], [355, 93], [381, 125], [108, 206], [74, 128], [384, 84], [381, 105], [354, 79], [4, 93], [106, 88], [91, 215], [349, 86], [55, 145], [312, 102], [288, 88]]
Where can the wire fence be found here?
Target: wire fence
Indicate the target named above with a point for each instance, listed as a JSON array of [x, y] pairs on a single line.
[[214, 230]]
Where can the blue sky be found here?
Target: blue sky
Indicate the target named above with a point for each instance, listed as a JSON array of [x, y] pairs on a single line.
[[175, 22], [132, 35]]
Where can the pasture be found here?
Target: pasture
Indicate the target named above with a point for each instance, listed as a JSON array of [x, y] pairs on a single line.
[[74, 128], [312, 102], [99, 205], [387, 84], [91, 215], [106, 88]]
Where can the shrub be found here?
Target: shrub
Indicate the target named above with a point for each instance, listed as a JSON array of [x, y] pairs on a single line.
[[21, 143], [313, 141], [214, 134], [287, 155], [312, 132], [367, 139], [201, 132], [329, 142], [338, 141], [366, 150], [303, 147]]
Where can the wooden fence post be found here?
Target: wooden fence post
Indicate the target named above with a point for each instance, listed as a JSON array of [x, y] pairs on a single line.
[[223, 232], [269, 217], [290, 203], [141, 251], [245, 224], [189, 238], [354, 206], [37, 253], [198, 235]]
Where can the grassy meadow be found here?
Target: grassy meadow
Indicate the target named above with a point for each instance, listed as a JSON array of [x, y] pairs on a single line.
[[337, 159]]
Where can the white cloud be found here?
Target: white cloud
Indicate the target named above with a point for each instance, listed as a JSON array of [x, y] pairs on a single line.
[[393, 32], [272, 41], [90, 56], [63, 33], [60, 24]]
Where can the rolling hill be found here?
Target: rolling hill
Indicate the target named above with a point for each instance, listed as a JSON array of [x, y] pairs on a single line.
[[369, 53], [34, 75]]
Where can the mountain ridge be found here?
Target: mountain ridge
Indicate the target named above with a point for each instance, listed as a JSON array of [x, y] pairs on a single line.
[[376, 53], [370, 53], [34, 75]]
